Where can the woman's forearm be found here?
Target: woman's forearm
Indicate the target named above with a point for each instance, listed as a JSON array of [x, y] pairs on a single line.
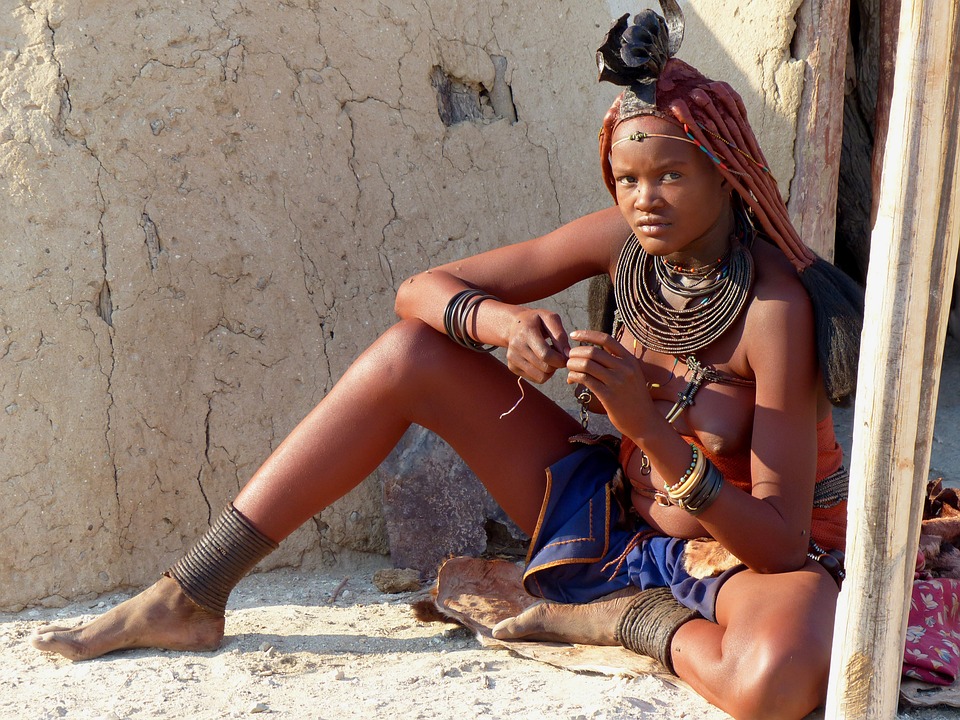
[[754, 531], [750, 527], [425, 297]]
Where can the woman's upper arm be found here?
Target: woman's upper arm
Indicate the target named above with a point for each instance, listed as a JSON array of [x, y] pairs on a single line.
[[531, 270], [783, 357]]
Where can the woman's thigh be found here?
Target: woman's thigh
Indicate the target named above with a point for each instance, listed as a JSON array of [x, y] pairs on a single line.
[[413, 374], [473, 401]]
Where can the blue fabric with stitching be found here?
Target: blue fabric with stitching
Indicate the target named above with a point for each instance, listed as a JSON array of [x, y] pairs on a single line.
[[578, 551]]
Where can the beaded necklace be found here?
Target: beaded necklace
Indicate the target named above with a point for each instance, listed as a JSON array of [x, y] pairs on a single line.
[[667, 275], [721, 293]]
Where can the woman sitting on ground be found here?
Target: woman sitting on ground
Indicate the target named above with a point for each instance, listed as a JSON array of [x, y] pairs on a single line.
[[710, 308]]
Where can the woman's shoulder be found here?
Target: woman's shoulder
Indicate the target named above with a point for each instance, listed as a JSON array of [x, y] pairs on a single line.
[[779, 337], [775, 278], [780, 305]]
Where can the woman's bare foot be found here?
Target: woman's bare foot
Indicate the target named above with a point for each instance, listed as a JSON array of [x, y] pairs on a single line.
[[159, 617], [593, 623]]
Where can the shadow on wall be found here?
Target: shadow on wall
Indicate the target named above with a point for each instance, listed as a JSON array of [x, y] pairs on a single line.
[[873, 24]]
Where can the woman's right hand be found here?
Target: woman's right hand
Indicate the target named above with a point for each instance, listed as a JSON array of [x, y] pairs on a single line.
[[537, 344]]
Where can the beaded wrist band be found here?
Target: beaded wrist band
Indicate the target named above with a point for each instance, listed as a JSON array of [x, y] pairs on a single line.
[[650, 621], [699, 486], [691, 477], [831, 560], [456, 317]]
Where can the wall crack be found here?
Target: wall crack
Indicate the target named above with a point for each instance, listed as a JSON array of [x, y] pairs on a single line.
[[63, 84]]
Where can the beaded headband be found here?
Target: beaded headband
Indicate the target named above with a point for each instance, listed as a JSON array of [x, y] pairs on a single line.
[[641, 136], [690, 138]]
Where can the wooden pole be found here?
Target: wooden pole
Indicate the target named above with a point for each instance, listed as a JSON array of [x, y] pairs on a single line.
[[821, 37], [912, 264], [889, 28]]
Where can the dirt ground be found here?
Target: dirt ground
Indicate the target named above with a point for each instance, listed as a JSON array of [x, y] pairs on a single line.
[[292, 651], [330, 645]]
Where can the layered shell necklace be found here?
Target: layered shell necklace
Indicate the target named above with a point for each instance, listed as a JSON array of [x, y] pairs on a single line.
[[714, 295]]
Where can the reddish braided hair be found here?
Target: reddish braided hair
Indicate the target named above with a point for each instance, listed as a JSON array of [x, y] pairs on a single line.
[[712, 114]]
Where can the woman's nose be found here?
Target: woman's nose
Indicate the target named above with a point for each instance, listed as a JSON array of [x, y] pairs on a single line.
[[644, 197]]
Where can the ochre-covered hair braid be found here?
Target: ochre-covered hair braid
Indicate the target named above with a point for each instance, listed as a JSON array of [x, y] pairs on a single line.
[[713, 115]]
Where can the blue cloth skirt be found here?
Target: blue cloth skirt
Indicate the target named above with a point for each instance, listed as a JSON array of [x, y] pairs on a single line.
[[585, 546]]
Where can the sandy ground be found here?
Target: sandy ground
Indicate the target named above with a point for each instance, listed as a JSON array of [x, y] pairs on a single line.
[[306, 645], [292, 651]]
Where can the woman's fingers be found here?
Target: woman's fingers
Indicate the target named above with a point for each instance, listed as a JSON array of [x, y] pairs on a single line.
[[534, 375], [604, 365], [547, 341], [557, 337], [596, 379], [602, 340], [529, 366], [538, 345], [599, 359]]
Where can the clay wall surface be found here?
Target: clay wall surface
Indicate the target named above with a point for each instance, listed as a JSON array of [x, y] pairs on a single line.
[[208, 207]]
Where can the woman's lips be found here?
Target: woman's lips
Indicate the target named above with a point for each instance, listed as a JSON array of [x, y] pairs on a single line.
[[652, 227]]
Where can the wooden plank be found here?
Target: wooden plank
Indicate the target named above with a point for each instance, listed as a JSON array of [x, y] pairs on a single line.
[[912, 264], [821, 38]]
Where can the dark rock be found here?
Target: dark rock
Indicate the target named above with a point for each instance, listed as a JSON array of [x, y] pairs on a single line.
[[434, 506]]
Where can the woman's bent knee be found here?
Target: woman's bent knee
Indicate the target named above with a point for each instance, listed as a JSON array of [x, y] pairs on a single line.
[[779, 682], [406, 336], [409, 353]]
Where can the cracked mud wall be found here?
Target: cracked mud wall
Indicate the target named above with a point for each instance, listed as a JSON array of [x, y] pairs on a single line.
[[208, 208]]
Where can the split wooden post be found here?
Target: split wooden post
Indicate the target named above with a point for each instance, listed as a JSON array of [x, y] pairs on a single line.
[[821, 37], [913, 259]]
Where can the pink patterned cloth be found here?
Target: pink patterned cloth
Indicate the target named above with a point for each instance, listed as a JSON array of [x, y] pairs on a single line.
[[932, 652]]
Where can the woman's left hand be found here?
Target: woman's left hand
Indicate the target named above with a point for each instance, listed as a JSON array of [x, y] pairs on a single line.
[[614, 375]]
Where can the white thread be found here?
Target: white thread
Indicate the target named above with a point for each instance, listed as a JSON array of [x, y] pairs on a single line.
[[517, 403]]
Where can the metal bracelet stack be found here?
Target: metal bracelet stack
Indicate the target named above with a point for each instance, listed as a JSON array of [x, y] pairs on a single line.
[[650, 621], [699, 486], [456, 318], [704, 494]]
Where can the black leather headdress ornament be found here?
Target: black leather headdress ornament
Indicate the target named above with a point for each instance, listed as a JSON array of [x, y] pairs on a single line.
[[634, 55]]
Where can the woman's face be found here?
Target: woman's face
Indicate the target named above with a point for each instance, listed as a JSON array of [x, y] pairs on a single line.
[[670, 193]]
